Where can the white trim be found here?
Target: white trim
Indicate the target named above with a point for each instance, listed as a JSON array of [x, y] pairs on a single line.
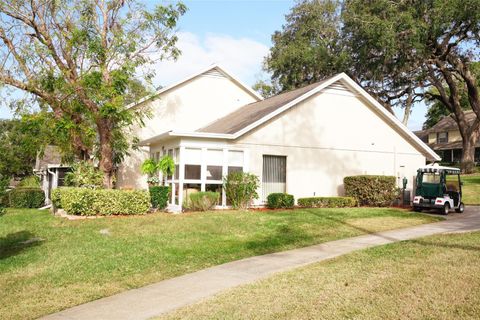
[[193, 76]]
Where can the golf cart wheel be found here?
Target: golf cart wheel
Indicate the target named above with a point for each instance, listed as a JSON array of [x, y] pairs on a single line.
[[417, 209], [460, 208], [445, 209]]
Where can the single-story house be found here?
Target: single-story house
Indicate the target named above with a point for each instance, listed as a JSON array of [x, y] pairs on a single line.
[[303, 142], [445, 139]]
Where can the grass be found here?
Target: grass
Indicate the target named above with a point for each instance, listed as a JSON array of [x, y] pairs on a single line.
[[471, 189], [430, 278], [48, 263]]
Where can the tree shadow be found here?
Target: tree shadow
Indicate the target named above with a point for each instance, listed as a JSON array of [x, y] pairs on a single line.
[[284, 235], [420, 242], [14, 243]]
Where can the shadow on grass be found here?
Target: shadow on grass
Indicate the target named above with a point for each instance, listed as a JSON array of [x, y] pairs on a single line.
[[14, 243], [446, 245], [284, 235]]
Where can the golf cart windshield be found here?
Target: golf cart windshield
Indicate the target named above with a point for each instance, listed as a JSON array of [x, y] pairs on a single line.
[[433, 177]]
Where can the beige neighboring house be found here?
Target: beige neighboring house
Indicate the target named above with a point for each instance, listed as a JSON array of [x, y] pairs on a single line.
[[302, 142], [445, 139], [50, 170]]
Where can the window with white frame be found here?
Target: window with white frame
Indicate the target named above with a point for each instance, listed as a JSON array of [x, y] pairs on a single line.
[[235, 161]]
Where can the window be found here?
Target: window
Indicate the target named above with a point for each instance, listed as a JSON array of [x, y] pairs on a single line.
[[214, 173], [274, 175], [192, 172], [215, 188], [192, 156], [235, 158], [214, 157], [234, 169], [442, 137], [433, 177]]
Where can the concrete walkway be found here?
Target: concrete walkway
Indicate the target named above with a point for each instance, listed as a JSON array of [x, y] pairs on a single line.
[[167, 295]]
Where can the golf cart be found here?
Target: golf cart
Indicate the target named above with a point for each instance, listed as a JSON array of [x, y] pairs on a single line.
[[438, 188]]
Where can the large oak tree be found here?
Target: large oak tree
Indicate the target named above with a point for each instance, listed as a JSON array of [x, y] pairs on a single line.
[[435, 43], [81, 58]]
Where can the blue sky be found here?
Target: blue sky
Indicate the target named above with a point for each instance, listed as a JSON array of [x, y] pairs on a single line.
[[234, 33]]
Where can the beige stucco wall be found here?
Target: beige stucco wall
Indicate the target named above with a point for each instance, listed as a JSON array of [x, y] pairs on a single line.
[[454, 136], [328, 137], [188, 107]]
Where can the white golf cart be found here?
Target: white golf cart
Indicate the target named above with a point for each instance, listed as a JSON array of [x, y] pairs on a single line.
[[438, 188]]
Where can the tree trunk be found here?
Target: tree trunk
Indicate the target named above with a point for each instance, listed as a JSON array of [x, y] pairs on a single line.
[[408, 109], [468, 155], [106, 151]]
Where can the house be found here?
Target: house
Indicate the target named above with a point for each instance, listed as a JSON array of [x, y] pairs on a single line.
[[303, 142], [445, 139], [50, 170]]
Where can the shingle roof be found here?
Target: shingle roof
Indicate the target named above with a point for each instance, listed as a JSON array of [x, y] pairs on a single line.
[[51, 156], [250, 113], [448, 123]]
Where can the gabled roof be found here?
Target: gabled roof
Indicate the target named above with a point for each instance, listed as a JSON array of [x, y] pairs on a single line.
[[216, 67], [447, 123], [255, 111], [253, 115]]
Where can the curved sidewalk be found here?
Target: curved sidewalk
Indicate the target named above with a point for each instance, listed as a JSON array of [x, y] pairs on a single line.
[[167, 295]]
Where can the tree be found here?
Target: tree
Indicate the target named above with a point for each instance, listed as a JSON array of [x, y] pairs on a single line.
[[437, 110], [313, 45], [81, 59], [309, 47], [21, 141], [433, 43]]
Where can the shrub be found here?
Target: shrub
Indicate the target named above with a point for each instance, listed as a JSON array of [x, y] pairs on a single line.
[[159, 196], [21, 197], [30, 182], [280, 200], [369, 190], [84, 175], [327, 202], [88, 202], [201, 201], [241, 189]]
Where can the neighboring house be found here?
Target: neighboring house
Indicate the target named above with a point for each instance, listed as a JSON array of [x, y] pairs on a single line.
[[445, 139], [50, 170], [303, 142]]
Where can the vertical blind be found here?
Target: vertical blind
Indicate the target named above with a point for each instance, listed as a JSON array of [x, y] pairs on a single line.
[[274, 176]]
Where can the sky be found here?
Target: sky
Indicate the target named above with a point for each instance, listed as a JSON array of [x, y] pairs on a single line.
[[233, 33]]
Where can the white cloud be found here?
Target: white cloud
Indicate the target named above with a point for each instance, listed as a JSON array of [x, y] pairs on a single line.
[[242, 57]]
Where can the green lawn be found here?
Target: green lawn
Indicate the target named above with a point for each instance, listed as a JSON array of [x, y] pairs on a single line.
[[430, 278], [471, 189], [49, 263]]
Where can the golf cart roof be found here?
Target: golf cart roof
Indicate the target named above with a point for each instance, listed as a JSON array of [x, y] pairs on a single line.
[[436, 168]]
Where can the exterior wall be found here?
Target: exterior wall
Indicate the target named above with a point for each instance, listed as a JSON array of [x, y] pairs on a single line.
[[188, 107], [327, 137]]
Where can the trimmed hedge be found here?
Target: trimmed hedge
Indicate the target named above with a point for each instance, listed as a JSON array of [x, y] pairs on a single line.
[[280, 200], [201, 201], [370, 190], [23, 197], [159, 196], [327, 202], [89, 202]]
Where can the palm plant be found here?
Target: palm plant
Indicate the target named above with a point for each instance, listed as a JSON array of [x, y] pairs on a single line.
[[166, 166]]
